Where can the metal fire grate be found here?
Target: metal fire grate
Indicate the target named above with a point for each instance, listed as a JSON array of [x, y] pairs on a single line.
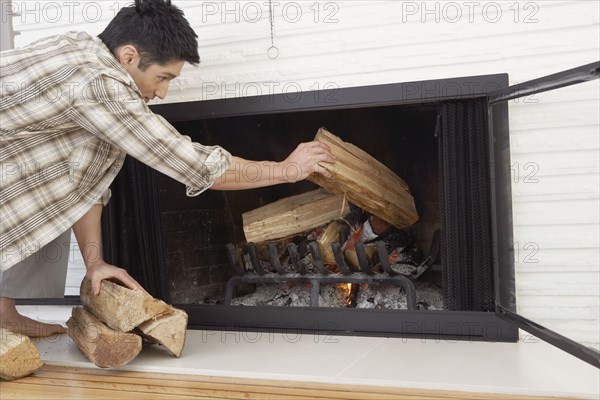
[[366, 274]]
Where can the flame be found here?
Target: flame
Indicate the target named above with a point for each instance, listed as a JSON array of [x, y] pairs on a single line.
[[349, 287]]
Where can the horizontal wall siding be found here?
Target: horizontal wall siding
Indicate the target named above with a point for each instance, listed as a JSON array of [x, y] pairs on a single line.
[[555, 151], [350, 43], [333, 44]]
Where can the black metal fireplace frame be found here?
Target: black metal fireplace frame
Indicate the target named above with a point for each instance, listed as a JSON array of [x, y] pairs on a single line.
[[446, 325]]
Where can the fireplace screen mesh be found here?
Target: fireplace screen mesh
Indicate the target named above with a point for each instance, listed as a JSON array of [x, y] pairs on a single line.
[[466, 237]]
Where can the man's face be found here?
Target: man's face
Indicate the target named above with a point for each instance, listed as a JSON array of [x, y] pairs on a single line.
[[154, 81]]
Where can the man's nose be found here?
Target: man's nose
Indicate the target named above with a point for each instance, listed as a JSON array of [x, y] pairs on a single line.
[[161, 92]]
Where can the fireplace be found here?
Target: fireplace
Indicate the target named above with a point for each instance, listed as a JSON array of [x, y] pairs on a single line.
[[441, 137]]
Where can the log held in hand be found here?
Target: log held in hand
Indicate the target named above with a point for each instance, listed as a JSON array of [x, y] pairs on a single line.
[[366, 182], [121, 308]]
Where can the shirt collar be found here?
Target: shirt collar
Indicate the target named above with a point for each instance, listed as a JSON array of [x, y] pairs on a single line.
[[108, 58]]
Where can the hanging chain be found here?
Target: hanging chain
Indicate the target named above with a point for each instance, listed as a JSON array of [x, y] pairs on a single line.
[[273, 51]]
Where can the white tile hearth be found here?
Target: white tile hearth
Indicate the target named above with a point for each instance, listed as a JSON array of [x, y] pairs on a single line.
[[529, 367]]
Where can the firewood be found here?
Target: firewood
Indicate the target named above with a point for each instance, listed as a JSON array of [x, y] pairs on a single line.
[[18, 355], [167, 330], [102, 345], [330, 235], [119, 307], [362, 234], [352, 258], [366, 182], [292, 215]]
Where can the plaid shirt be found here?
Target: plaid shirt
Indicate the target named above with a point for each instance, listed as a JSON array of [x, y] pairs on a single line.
[[68, 115]]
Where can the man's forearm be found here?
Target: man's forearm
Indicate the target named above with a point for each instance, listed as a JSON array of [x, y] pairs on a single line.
[[88, 233], [246, 174], [303, 161]]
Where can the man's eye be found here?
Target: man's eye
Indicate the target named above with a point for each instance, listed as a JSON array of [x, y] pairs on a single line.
[[161, 79]]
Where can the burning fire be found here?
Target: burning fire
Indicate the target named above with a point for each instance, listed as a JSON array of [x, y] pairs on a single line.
[[349, 288]]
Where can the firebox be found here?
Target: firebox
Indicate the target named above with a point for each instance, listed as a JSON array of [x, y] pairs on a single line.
[[447, 139]]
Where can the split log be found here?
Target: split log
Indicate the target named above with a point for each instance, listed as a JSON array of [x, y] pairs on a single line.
[[352, 257], [293, 215], [366, 182], [119, 307], [167, 330], [102, 345], [330, 235], [18, 355]]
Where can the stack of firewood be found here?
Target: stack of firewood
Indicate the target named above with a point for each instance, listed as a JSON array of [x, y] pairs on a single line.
[[109, 328]]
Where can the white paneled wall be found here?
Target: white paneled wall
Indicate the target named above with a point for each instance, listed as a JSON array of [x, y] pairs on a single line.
[[555, 148], [554, 137]]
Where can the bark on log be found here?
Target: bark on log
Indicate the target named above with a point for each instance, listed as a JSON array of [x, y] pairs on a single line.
[[18, 356], [293, 215], [119, 307], [167, 330], [103, 346], [366, 182]]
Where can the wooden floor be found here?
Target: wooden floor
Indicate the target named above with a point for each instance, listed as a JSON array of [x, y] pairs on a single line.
[[77, 383]]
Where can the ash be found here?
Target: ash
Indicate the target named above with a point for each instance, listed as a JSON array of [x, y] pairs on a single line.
[[429, 297], [281, 295], [294, 295]]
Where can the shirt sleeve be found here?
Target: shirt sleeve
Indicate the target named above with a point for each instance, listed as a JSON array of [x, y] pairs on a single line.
[[104, 199], [115, 113]]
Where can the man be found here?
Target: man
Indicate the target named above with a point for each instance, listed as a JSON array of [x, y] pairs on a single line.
[[71, 107]]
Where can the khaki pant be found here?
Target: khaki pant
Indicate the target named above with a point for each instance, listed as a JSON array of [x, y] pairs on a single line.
[[41, 275]]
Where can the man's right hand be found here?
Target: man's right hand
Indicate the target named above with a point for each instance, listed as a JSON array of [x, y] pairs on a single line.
[[100, 270]]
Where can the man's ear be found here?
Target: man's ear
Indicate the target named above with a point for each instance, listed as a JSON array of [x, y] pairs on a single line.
[[127, 55]]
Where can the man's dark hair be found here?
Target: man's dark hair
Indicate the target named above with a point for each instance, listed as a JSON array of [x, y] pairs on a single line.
[[157, 29]]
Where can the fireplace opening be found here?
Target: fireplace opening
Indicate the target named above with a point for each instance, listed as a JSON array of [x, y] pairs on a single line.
[[404, 138], [197, 229]]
